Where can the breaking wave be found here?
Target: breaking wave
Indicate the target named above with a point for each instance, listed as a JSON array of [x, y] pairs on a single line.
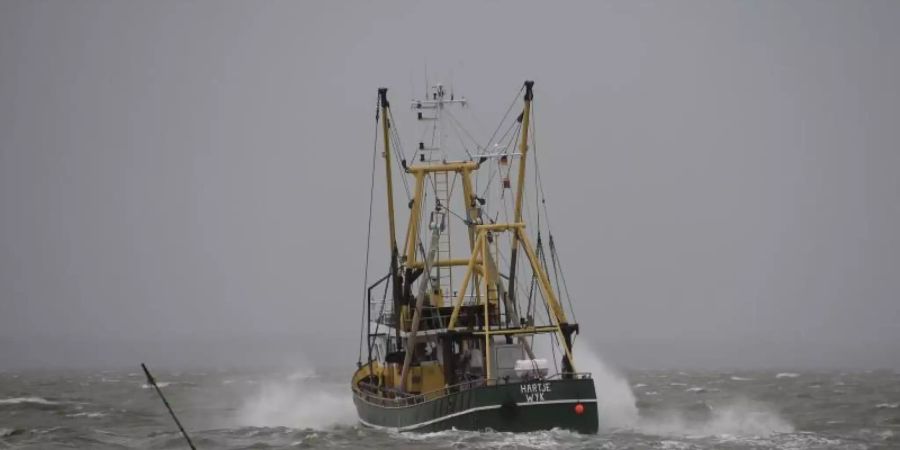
[[740, 417], [33, 400], [616, 404], [617, 408], [90, 415], [5, 432], [787, 375], [297, 402]]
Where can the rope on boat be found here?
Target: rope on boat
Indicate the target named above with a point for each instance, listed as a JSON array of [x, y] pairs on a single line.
[[505, 115], [362, 319], [397, 146], [558, 272]]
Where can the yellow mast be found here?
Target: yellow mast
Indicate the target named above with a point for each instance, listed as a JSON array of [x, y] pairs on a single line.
[[385, 128], [396, 279], [523, 149], [520, 187], [488, 369]]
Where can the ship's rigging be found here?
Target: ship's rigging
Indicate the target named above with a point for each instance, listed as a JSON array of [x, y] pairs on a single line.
[[455, 333], [523, 305]]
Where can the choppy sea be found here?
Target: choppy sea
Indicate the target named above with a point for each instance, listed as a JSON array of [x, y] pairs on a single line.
[[309, 409]]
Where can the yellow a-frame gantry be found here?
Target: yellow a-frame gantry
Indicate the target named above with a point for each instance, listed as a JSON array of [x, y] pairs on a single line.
[[557, 314], [477, 265]]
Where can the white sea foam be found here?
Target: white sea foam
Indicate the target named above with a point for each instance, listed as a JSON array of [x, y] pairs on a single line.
[[675, 445], [19, 400], [297, 402], [161, 384], [549, 439], [797, 440], [696, 389], [737, 418], [616, 405], [741, 379], [639, 385], [89, 415], [787, 375], [617, 409], [888, 405]]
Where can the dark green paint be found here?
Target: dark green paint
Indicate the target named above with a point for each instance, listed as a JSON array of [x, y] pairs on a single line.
[[501, 407]]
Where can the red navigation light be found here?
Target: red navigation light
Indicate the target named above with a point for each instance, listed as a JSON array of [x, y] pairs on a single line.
[[579, 409]]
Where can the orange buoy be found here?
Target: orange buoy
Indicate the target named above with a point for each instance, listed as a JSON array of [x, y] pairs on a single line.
[[579, 409]]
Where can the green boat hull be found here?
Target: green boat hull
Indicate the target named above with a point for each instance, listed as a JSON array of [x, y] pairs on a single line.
[[518, 407]]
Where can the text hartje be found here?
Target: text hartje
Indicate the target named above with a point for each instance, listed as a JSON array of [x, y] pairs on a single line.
[[534, 392]]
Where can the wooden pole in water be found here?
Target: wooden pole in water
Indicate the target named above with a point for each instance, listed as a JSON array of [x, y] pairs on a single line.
[[163, 397]]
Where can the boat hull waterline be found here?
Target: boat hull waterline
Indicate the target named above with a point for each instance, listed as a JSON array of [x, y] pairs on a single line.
[[512, 407]]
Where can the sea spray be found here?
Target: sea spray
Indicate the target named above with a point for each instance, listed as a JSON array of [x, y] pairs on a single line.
[[617, 409], [735, 417], [298, 400], [616, 405]]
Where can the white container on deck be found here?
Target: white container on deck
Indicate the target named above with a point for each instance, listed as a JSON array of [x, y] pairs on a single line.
[[532, 368]]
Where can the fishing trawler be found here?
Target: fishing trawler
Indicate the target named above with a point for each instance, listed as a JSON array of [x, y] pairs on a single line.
[[466, 329]]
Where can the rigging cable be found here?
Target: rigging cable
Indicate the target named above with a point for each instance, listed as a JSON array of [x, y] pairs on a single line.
[[537, 213], [381, 310], [505, 115], [505, 151], [541, 256], [562, 274], [554, 256], [369, 236], [399, 154], [434, 130], [457, 127], [454, 214]]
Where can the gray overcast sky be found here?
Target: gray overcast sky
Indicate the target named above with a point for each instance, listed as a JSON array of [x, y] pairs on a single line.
[[187, 182]]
